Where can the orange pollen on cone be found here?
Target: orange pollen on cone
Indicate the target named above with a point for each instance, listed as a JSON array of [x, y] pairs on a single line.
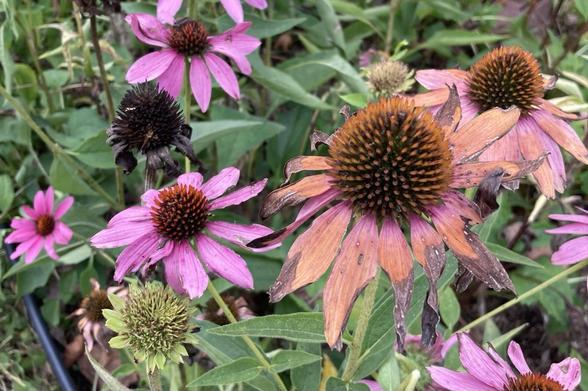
[[45, 225], [391, 158], [180, 212], [189, 37], [533, 382]]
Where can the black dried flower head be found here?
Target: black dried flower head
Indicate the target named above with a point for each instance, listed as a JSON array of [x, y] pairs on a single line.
[[98, 7], [150, 121]]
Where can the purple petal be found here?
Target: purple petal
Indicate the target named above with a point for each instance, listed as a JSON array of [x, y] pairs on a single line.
[[259, 4], [148, 198], [574, 228], [236, 45], [30, 212], [62, 233], [167, 9], [237, 233], [239, 196], [570, 217], [49, 199], [49, 247], [135, 254], [433, 79], [151, 66], [171, 272], [221, 182], [172, 79], [223, 74], [567, 373], [18, 223], [130, 215], [234, 9], [148, 29], [39, 204], [34, 250], [25, 246], [162, 252], [502, 362], [478, 364], [224, 262], [515, 353], [556, 161], [20, 235], [571, 251], [200, 83], [372, 385], [193, 179], [458, 381], [188, 270], [121, 234], [63, 207]]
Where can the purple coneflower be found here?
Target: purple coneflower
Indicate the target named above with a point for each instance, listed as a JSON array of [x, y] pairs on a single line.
[[391, 166], [41, 227], [574, 250], [187, 38], [505, 77], [235, 9], [162, 228], [487, 371]]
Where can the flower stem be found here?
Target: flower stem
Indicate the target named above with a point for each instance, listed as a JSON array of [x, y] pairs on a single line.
[[154, 380], [530, 293], [390, 28], [368, 302], [187, 104], [149, 177], [248, 341]]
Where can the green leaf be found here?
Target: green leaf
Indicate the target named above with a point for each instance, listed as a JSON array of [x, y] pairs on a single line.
[[444, 38], [34, 276], [262, 28], [55, 78], [205, 133], [356, 99], [238, 371], [498, 342], [109, 380], [64, 179], [76, 255], [449, 307], [95, 152], [307, 377], [50, 310], [298, 327], [6, 193], [506, 255], [335, 384], [25, 81], [331, 24], [582, 7], [288, 359]]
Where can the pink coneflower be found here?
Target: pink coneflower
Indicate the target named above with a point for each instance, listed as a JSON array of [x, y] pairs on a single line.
[[574, 250], [188, 38], [235, 9], [505, 77], [162, 228], [391, 165], [487, 371], [41, 227]]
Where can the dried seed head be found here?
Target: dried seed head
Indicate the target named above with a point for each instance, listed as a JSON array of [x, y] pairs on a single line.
[[389, 77], [95, 303], [391, 158], [150, 121], [189, 37], [505, 77], [180, 212], [45, 225], [533, 382]]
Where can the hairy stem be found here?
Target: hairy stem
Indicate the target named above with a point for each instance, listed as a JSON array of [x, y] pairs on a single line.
[[154, 380]]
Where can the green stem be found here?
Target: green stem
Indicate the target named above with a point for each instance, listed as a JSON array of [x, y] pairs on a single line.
[[248, 341], [154, 380], [530, 293], [367, 304], [390, 27], [187, 105]]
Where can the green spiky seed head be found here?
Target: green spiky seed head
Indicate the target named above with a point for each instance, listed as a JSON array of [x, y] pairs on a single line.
[[388, 78]]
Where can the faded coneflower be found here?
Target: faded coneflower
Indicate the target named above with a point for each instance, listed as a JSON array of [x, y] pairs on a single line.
[[487, 371], [91, 320], [149, 121], [188, 38], [235, 9], [389, 77], [238, 306], [153, 323], [505, 77], [163, 227], [391, 165], [574, 250], [41, 227]]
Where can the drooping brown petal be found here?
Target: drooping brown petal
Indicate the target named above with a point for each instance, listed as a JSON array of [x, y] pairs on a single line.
[[463, 279], [431, 98], [469, 249], [473, 173], [553, 109], [354, 267], [429, 251], [471, 139], [532, 148], [449, 114], [306, 163], [563, 134], [487, 193], [467, 209], [294, 193], [311, 206], [395, 258], [312, 252], [319, 138]]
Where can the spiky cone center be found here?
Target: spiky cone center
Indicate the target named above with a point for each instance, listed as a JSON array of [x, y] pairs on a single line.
[[505, 77], [156, 320], [45, 225], [388, 77], [180, 211], [391, 158], [94, 304], [189, 37], [147, 119], [533, 382]]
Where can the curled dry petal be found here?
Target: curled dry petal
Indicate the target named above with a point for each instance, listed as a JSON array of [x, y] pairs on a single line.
[[553, 109], [431, 98], [449, 114], [563, 134], [473, 173], [318, 138], [306, 163]]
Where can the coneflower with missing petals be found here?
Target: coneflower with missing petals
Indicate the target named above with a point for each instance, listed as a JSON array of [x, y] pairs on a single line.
[[149, 121], [391, 166], [505, 77]]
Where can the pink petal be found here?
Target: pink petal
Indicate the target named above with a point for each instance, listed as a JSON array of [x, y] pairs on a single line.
[[259, 4], [563, 134], [39, 204], [502, 362], [172, 79], [188, 269], [567, 373], [234, 9], [448, 344], [193, 179], [49, 247], [135, 255], [63, 207], [237, 233], [30, 212], [49, 199], [236, 45], [515, 353], [572, 251], [130, 215], [25, 246], [162, 252], [224, 262], [121, 234], [18, 223], [148, 198], [555, 160], [221, 182], [458, 381], [21, 235], [239, 196], [148, 29], [171, 272], [478, 364], [200, 83], [372, 385], [433, 79], [62, 233], [223, 74], [574, 228], [167, 9], [151, 66], [34, 250], [570, 217]]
